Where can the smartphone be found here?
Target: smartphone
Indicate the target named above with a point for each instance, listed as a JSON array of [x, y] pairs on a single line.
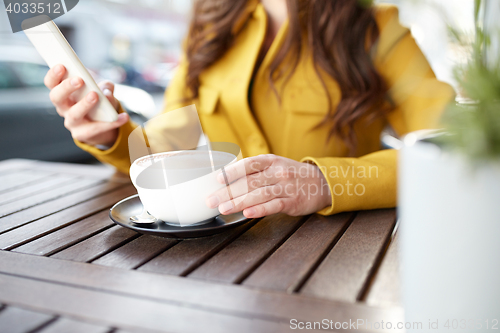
[[55, 49]]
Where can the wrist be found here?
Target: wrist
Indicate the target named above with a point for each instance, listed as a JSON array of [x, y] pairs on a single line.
[[104, 141], [325, 192]]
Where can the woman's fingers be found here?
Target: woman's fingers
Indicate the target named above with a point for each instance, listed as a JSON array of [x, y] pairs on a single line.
[[87, 131], [242, 187], [274, 206], [78, 112], [54, 76], [245, 179], [107, 85], [75, 112], [232, 172], [108, 89], [60, 94], [275, 184], [244, 167], [255, 197]]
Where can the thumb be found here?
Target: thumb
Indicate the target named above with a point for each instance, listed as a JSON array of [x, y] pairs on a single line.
[[109, 95], [122, 119], [108, 89]]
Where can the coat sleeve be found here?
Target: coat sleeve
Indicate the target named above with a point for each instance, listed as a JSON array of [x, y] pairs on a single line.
[[370, 181]]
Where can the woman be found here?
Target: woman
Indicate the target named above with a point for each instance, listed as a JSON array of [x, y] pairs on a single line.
[[304, 87]]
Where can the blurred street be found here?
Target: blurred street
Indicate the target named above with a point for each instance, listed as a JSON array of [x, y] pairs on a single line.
[[135, 44]]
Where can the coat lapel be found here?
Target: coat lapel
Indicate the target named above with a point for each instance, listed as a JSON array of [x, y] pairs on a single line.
[[232, 74]]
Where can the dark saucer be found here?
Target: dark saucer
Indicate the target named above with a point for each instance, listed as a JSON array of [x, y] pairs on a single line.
[[121, 212]]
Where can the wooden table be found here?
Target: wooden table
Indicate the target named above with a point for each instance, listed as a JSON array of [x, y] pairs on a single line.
[[65, 267]]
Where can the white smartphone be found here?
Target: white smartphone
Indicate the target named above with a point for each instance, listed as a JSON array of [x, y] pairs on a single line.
[[55, 49]]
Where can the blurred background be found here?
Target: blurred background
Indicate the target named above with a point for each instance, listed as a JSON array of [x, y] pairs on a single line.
[[137, 44]]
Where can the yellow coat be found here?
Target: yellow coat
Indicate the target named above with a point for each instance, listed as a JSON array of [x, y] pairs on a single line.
[[364, 182]]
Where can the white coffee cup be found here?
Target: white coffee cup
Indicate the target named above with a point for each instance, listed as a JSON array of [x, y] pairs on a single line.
[[190, 178]]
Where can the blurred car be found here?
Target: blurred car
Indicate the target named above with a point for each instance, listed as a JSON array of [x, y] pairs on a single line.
[[29, 124], [161, 74]]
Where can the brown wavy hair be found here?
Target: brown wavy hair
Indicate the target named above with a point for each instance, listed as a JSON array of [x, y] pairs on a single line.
[[340, 35]]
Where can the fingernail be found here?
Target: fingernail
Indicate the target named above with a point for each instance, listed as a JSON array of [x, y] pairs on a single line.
[[58, 69], [249, 212], [91, 98], [226, 206], [122, 116], [212, 201], [75, 82], [107, 92]]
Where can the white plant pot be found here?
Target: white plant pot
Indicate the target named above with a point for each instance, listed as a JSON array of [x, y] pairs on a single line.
[[450, 239]]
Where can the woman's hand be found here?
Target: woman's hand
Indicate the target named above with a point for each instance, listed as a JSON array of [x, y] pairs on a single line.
[[269, 184], [75, 112]]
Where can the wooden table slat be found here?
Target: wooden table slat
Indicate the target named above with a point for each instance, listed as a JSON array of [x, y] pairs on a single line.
[[15, 164], [65, 237], [237, 260], [225, 298], [184, 257], [122, 311], [288, 267], [45, 184], [385, 290], [14, 180], [68, 325], [74, 186], [48, 224], [136, 252], [99, 171], [34, 213], [17, 320], [346, 270], [98, 245]]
